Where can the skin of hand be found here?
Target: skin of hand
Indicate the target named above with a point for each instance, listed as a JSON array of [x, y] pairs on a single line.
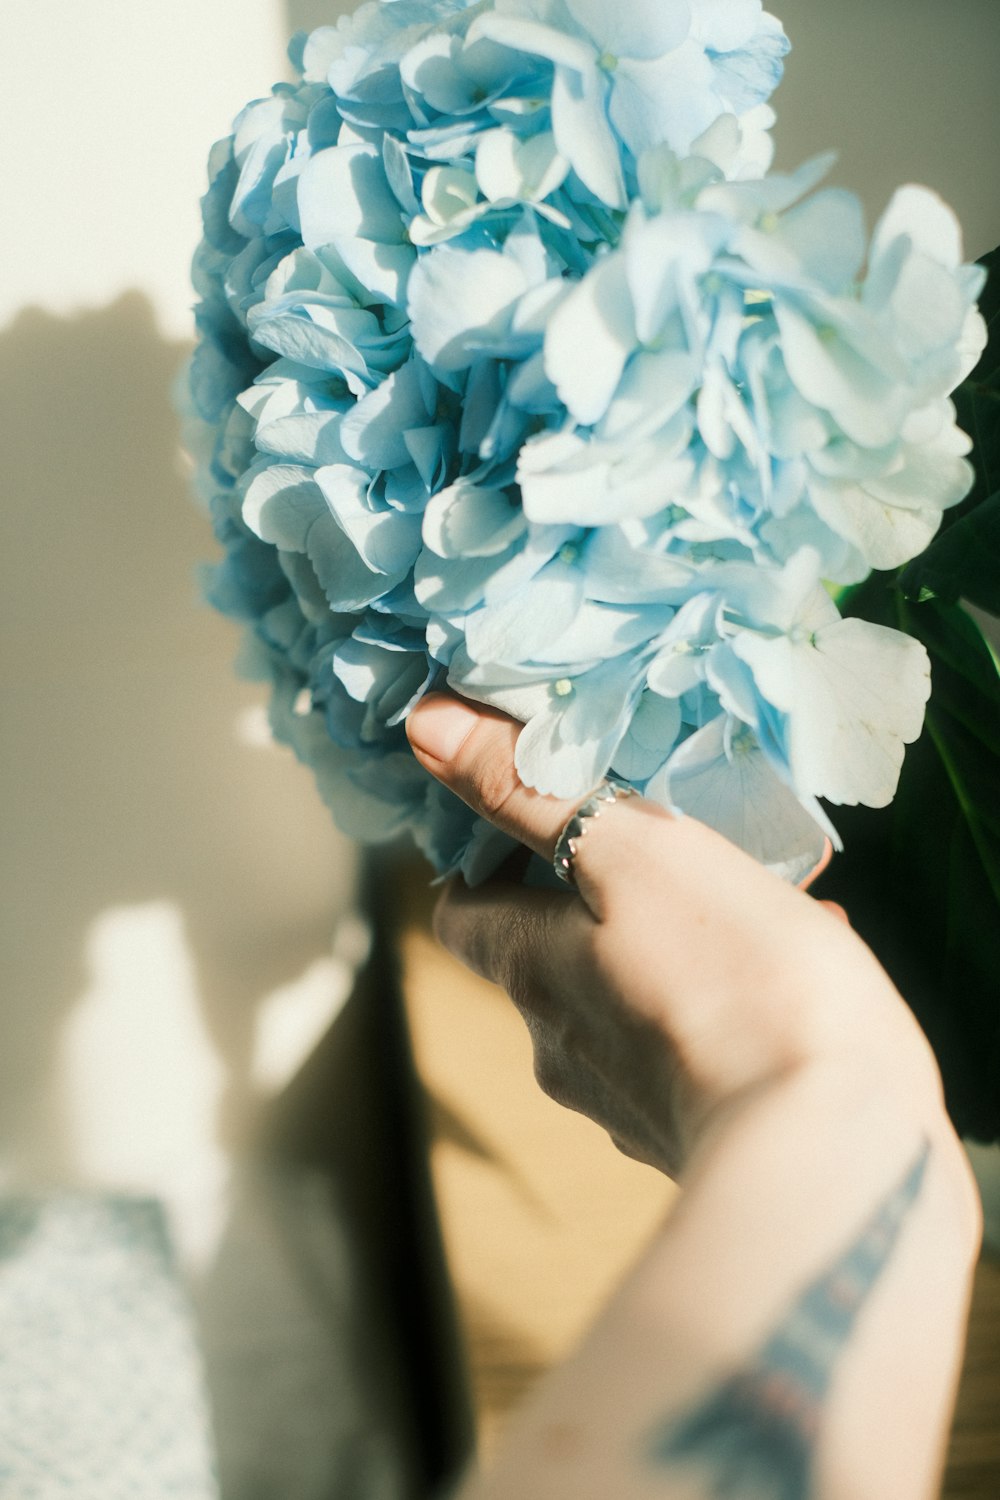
[[799, 1317], [679, 978]]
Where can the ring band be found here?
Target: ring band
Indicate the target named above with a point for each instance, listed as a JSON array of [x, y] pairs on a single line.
[[607, 794]]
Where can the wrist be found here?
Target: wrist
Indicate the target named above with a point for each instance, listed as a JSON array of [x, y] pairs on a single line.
[[897, 1090], [834, 1012]]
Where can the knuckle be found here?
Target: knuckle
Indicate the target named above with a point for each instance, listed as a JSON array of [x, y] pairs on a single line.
[[626, 1148], [550, 1075]]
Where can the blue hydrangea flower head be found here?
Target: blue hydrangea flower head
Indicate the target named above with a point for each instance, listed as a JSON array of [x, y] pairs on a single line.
[[519, 370]]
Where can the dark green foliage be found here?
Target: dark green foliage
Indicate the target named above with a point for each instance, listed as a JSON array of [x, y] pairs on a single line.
[[921, 879], [963, 561]]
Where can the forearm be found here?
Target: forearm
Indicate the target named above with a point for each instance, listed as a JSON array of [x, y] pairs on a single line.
[[795, 1329], [800, 1316]]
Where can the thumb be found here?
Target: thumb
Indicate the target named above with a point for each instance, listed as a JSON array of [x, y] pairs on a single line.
[[470, 749]]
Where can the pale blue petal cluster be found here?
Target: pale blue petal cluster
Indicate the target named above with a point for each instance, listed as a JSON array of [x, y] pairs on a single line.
[[519, 370]]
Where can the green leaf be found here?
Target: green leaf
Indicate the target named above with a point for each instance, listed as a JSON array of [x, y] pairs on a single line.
[[989, 306], [964, 562], [921, 878], [963, 720], [977, 404]]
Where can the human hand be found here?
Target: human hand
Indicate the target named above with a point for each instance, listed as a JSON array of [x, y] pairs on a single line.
[[682, 975]]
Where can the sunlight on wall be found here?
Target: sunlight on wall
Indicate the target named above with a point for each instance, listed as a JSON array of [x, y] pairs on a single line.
[[138, 1077], [252, 728], [114, 106], [138, 1080], [292, 1020]]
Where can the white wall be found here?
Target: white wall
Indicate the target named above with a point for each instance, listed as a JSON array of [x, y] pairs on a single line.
[[906, 91], [106, 110], [132, 770], [170, 885]]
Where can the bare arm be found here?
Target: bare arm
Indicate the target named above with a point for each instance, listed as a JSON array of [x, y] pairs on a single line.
[[795, 1329]]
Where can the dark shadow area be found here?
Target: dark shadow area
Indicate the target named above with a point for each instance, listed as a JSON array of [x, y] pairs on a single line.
[[384, 1178], [125, 781], [324, 1305], [305, 15]]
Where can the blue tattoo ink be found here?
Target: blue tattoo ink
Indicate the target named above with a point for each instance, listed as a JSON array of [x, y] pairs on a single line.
[[756, 1434]]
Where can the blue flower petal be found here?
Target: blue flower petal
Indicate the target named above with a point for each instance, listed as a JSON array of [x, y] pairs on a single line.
[[722, 778], [460, 301]]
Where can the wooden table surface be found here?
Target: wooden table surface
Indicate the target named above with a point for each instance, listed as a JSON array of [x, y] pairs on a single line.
[[542, 1216]]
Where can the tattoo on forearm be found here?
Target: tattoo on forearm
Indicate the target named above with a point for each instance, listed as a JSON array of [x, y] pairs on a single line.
[[755, 1435]]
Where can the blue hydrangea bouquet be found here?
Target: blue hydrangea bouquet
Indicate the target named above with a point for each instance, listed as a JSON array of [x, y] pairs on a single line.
[[519, 370]]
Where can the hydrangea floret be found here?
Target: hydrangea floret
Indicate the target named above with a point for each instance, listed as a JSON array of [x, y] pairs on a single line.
[[520, 370]]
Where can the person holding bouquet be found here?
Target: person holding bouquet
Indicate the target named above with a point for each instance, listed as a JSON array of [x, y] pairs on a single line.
[[795, 1329]]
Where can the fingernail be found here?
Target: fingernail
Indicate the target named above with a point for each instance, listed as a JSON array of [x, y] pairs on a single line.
[[439, 726]]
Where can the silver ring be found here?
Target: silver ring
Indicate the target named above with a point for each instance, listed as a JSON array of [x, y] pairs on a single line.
[[607, 794]]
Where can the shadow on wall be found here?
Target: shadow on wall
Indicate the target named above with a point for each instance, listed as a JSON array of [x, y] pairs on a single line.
[[304, 15], [170, 894], [126, 782]]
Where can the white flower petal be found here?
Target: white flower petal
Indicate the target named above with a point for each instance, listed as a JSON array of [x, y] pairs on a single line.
[[725, 25], [886, 535], [509, 167], [521, 34], [461, 300], [825, 235], [308, 437], [344, 194], [589, 339], [432, 69], [517, 628], [468, 520], [728, 783], [561, 481], [387, 540], [651, 735], [651, 392], [280, 505], [600, 630], [583, 132], [855, 696], [522, 694], [664, 256], [565, 750], [829, 370], [927, 222], [374, 432], [668, 100], [642, 28]]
